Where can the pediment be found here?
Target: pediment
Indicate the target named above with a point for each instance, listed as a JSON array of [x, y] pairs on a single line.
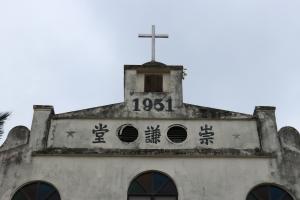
[[121, 111]]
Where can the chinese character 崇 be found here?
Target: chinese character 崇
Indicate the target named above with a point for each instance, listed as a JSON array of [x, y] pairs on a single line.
[[152, 134], [99, 132], [206, 135]]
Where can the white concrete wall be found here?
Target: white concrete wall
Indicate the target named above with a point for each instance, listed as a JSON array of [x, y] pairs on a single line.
[[94, 178], [235, 134]]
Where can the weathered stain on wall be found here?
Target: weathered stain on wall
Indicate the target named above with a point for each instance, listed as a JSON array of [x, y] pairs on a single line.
[[243, 150]]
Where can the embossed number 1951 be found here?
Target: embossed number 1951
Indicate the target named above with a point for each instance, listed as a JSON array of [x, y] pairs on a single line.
[[149, 104]]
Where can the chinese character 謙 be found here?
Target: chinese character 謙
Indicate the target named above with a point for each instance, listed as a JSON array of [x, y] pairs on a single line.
[[99, 132], [152, 134], [206, 135]]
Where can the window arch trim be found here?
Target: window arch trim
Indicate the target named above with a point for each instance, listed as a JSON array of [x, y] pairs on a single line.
[[271, 184], [31, 182], [152, 195]]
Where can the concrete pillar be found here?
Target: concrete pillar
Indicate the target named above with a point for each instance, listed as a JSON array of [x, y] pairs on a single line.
[[267, 128], [40, 127]]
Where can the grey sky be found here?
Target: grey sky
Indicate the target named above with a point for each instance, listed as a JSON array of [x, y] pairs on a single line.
[[70, 53]]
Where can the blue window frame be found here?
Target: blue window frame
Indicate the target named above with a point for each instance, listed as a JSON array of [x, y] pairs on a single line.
[[37, 190], [268, 192], [152, 185]]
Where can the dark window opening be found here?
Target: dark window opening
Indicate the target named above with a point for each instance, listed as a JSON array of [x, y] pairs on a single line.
[[127, 133], [153, 83], [268, 192], [177, 134], [152, 185], [37, 191]]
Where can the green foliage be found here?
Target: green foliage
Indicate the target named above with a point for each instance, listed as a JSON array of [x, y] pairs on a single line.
[[3, 117]]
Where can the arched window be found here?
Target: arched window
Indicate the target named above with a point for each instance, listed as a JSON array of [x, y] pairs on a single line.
[[268, 192], [152, 185], [37, 190]]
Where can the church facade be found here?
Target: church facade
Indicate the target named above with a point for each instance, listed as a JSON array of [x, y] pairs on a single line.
[[152, 146]]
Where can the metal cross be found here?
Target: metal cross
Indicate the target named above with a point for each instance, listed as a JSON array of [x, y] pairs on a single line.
[[153, 36]]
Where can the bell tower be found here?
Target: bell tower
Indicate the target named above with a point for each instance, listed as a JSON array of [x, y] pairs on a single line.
[[153, 86]]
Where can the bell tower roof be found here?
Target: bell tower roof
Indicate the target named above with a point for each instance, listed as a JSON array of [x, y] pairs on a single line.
[[154, 63]]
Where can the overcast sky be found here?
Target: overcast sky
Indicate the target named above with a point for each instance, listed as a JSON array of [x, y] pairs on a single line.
[[70, 53]]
